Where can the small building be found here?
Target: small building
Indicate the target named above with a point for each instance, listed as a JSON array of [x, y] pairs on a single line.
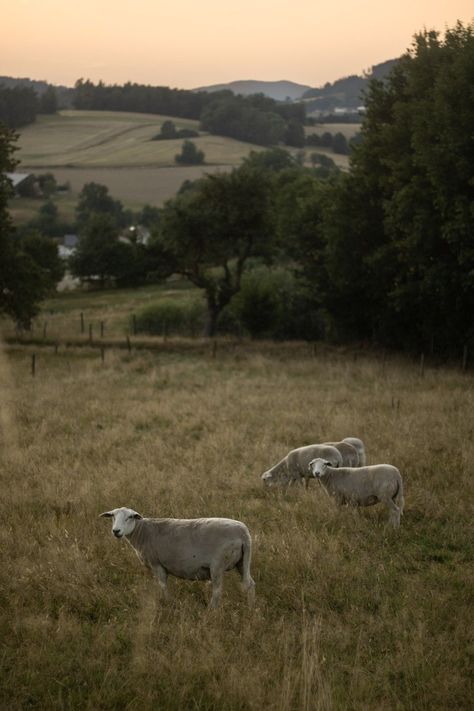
[[17, 179]]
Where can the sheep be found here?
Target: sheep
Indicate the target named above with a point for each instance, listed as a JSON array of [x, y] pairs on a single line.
[[360, 447], [294, 467], [192, 549], [362, 486], [349, 454]]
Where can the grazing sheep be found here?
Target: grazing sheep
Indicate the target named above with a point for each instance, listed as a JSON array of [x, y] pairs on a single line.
[[192, 549], [362, 486], [294, 467], [360, 446], [349, 454]]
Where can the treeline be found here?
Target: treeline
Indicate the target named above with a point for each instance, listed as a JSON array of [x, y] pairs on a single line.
[[19, 105], [256, 119]]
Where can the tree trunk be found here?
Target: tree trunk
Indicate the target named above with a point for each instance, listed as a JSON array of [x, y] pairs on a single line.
[[213, 312]]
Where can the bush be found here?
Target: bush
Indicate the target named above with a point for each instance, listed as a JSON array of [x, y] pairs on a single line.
[[189, 155], [171, 317], [271, 304]]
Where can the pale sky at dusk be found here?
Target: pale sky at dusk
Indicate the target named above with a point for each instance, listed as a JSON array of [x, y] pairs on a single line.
[[196, 42]]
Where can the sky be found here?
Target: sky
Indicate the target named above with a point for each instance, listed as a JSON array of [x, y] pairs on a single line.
[[190, 43]]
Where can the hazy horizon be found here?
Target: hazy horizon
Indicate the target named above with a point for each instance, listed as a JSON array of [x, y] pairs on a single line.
[[266, 40]]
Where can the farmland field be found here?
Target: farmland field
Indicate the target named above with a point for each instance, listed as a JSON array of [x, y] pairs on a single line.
[[108, 139], [349, 614], [115, 149]]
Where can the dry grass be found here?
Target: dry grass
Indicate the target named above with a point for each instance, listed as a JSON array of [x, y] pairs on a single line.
[[349, 615]]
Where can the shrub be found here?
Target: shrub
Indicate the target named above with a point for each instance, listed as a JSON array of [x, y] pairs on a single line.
[[189, 155], [172, 317], [271, 304]]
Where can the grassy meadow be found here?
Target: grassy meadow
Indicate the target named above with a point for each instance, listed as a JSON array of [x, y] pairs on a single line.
[[348, 614], [110, 139]]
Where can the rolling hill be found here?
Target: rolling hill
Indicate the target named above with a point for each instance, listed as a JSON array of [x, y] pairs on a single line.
[[278, 90]]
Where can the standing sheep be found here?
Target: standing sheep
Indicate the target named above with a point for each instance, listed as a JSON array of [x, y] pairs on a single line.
[[294, 467], [349, 454], [192, 549], [362, 486], [360, 447]]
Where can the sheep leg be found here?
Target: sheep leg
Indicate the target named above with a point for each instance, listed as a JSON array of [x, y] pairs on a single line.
[[394, 513], [162, 576], [217, 574]]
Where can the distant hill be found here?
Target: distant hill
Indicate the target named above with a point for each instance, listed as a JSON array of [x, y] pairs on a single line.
[[278, 90], [346, 93], [64, 93]]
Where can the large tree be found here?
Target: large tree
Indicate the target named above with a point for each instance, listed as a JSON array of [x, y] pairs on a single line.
[[27, 272], [400, 253], [210, 232]]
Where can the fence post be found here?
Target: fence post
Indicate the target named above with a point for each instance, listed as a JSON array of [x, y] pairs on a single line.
[[33, 364], [422, 365], [101, 329], [82, 323]]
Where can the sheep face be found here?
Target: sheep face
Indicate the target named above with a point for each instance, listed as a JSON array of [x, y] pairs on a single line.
[[124, 521], [317, 467], [275, 477]]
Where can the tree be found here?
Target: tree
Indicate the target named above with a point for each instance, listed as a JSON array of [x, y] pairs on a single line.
[[98, 256], [95, 199], [24, 282], [400, 254], [190, 155], [208, 234], [48, 103]]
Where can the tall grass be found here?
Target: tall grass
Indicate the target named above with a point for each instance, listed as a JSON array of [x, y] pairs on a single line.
[[349, 614]]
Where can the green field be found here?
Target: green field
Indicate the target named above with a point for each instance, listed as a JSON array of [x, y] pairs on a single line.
[[116, 150], [348, 614], [108, 139]]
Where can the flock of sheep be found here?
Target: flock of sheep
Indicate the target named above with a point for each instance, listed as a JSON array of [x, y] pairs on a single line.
[[205, 548]]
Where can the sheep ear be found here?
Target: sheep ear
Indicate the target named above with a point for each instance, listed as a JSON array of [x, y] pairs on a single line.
[[137, 516], [106, 514]]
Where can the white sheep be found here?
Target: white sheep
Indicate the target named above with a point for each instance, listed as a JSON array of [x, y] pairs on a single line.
[[349, 454], [362, 486], [192, 549], [294, 467], [360, 447]]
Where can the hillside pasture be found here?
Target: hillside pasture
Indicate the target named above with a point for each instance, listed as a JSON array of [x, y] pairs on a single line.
[[99, 139], [349, 614], [136, 186]]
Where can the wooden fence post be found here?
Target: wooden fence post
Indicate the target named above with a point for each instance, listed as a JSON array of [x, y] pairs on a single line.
[[33, 364], [82, 323]]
